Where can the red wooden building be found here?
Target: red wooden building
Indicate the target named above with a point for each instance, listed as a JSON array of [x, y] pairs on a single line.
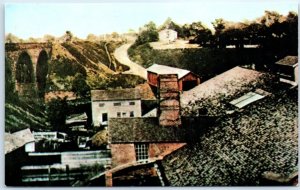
[[186, 79]]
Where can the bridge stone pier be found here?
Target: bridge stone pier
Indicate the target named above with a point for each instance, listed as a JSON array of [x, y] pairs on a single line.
[[29, 65]]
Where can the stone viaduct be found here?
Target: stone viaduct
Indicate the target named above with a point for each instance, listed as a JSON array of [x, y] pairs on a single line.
[[29, 65]]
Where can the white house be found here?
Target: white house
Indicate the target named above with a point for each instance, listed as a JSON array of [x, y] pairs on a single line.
[[114, 104], [167, 35]]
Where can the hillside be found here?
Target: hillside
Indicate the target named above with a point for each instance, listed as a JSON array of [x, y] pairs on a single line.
[[94, 61]]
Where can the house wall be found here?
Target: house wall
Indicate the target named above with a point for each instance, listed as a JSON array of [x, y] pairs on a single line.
[[122, 154], [125, 153], [296, 72], [30, 147], [112, 110], [167, 35], [153, 79]]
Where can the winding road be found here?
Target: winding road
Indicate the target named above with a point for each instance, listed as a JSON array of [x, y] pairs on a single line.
[[122, 56]]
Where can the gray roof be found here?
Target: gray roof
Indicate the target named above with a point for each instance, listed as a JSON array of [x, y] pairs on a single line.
[[163, 69], [215, 93], [116, 94], [130, 130], [18, 139], [239, 148], [288, 60]]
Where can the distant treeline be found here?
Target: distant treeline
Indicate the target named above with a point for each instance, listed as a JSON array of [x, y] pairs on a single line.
[[271, 37]]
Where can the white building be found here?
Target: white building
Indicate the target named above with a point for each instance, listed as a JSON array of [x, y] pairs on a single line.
[[167, 35], [113, 104]]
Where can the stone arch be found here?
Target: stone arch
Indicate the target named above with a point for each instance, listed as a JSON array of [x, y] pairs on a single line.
[[24, 69], [41, 72]]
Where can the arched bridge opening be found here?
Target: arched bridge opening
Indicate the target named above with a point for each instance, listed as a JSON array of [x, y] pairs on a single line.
[[24, 69], [30, 67], [41, 73]]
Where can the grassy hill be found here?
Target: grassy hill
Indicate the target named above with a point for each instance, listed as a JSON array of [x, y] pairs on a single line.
[[94, 61]]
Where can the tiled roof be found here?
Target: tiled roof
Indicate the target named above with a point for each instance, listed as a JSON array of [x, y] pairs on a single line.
[[215, 93], [130, 130], [288, 60], [240, 147], [116, 94], [146, 92], [18, 139], [163, 69]]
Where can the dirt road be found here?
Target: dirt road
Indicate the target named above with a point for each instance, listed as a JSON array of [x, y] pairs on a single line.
[[122, 56]]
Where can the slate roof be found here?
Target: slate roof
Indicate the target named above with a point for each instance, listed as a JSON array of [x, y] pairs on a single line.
[[116, 94], [163, 69], [18, 139], [215, 94], [240, 147], [146, 92], [130, 130], [288, 60]]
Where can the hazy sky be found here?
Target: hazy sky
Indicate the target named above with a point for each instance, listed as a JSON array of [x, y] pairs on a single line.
[[35, 20]]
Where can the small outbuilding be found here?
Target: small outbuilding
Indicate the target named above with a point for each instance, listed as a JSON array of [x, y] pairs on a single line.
[[167, 35], [186, 79], [287, 69]]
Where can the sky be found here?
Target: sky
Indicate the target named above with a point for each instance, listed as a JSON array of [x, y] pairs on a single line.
[[37, 19]]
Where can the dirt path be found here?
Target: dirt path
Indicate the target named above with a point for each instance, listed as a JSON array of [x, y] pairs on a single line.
[[178, 44], [122, 56]]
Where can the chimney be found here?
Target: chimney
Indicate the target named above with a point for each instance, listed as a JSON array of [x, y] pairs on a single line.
[[169, 100]]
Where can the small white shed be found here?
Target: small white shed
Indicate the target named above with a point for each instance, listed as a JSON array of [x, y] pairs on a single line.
[[167, 35]]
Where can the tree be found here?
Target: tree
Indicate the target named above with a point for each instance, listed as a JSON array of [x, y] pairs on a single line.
[[48, 38], [10, 93], [147, 34], [219, 26], [91, 38], [56, 113], [203, 37], [10, 38], [68, 36], [80, 86]]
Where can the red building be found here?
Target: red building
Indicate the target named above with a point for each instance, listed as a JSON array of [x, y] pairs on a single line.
[[186, 79]]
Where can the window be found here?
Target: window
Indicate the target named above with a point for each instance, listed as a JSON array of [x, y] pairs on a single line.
[[141, 152], [118, 114], [104, 117], [124, 114], [131, 114], [246, 99], [131, 103], [117, 104], [101, 105]]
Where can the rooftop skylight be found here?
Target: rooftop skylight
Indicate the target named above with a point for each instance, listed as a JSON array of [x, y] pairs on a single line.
[[246, 99]]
